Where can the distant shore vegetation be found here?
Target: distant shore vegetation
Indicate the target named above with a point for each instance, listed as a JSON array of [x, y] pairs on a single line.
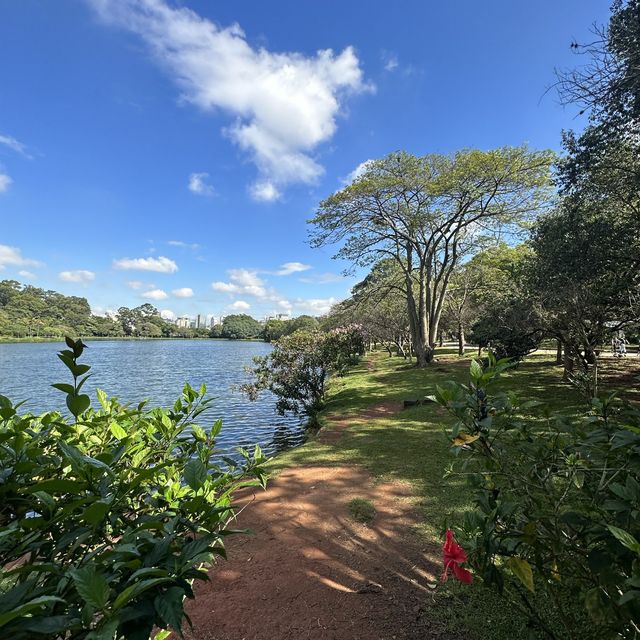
[[29, 313]]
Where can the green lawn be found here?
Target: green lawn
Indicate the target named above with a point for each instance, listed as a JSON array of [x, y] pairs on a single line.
[[412, 447]]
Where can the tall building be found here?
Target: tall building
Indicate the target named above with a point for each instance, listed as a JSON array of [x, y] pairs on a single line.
[[200, 322], [182, 322]]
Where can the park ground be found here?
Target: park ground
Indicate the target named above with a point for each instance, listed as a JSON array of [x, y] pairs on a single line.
[[347, 537]]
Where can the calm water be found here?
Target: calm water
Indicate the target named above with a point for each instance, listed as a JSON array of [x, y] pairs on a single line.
[[156, 369]]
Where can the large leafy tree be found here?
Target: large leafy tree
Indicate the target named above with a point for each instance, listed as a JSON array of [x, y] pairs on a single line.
[[240, 326], [426, 213]]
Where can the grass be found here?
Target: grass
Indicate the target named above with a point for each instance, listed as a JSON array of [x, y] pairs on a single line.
[[412, 447], [362, 510]]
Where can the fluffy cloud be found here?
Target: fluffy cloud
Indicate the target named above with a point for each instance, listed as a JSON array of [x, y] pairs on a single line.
[[28, 275], [184, 292], [198, 184], [313, 306], [14, 145], [135, 284], [292, 267], [283, 105], [244, 282], [5, 182], [240, 305], [79, 275], [264, 191], [155, 294], [12, 257], [161, 264], [168, 314]]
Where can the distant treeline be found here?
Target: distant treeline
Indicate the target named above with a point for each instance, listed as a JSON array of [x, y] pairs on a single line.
[[31, 312]]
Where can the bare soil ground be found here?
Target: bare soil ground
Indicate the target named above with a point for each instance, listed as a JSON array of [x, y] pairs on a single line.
[[311, 572]]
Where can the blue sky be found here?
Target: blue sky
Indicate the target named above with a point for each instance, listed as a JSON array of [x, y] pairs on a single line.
[[171, 152]]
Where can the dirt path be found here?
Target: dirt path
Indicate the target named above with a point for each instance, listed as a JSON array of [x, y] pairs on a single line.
[[312, 572]]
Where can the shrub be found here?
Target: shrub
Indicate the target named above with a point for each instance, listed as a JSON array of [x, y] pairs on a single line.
[[108, 518], [556, 524], [297, 369]]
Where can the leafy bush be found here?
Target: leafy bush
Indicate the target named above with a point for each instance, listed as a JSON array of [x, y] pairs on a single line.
[[512, 328], [556, 524], [297, 369], [107, 519]]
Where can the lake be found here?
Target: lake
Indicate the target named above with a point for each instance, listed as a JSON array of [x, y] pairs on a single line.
[[133, 370]]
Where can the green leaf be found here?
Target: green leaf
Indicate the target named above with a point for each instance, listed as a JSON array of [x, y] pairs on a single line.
[[169, 606], [521, 569], [117, 431], [132, 592], [625, 538], [95, 513], [475, 370], [64, 387], [78, 404], [28, 607], [103, 399], [195, 473], [92, 586]]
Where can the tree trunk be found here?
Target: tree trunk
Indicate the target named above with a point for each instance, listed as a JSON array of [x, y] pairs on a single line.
[[558, 351], [569, 363], [460, 339], [441, 340]]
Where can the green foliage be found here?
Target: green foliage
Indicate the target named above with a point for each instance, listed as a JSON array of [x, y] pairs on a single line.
[[427, 213], [511, 327], [106, 521], [556, 503], [297, 369], [240, 327]]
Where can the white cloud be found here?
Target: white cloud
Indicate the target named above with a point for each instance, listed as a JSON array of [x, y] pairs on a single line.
[[292, 267], [79, 275], [313, 306], [390, 61], [283, 105], [12, 257], [184, 292], [243, 282], [135, 284], [264, 191], [155, 294], [27, 274], [357, 172], [5, 182], [161, 264], [198, 184], [225, 287], [194, 246], [14, 145], [240, 305], [168, 314], [322, 278]]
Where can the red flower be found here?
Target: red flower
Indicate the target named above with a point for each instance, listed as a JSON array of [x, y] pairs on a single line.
[[453, 556]]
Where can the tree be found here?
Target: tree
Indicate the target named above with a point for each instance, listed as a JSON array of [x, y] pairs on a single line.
[[425, 213], [240, 327]]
